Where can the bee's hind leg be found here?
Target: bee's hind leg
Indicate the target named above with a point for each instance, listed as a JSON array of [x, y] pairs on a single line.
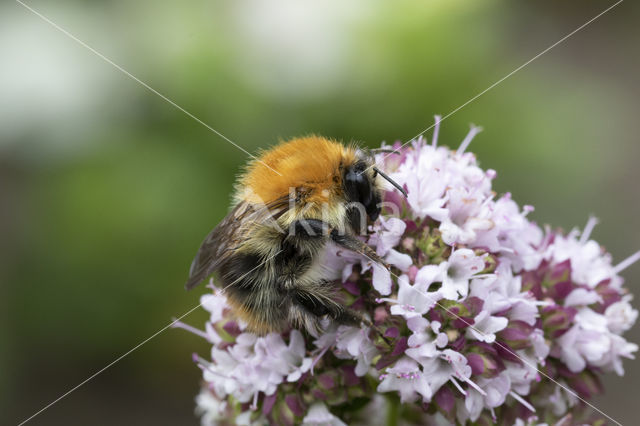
[[308, 307], [317, 302]]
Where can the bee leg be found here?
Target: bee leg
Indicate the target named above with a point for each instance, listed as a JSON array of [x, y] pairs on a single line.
[[316, 301], [300, 318], [310, 305], [348, 316], [307, 308], [309, 228], [319, 303], [316, 228], [352, 243]]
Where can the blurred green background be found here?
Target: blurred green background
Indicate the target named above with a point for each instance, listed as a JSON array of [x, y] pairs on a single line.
[[107, 189]]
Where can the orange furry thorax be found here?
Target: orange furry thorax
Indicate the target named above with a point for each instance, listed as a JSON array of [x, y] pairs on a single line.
[[312, 164]]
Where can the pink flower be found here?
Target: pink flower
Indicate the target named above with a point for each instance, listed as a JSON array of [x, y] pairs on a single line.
[[460, 267], [388, 234], [411, 301], [620, 316], [406, 379], [469, 216], [582, 297], [478, 301], [319, 415], [357, 345], [589, 264], [485, 326], [423, 334]]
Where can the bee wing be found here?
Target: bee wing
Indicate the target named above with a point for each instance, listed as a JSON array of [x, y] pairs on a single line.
[[228, 236], [216, 247]]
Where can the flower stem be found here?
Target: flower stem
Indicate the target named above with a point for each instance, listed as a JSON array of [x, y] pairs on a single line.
[[393, 412]]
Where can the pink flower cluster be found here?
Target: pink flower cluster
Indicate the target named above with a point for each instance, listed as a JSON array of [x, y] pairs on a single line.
[[484, 316]]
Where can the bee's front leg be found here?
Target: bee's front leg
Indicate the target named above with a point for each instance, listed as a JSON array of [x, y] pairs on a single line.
[[317, 229], [351, 242]]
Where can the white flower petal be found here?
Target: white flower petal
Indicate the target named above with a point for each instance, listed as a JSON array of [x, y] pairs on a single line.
[[381, 279]]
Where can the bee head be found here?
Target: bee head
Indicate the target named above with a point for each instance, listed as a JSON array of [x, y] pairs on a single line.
[[360, 188]]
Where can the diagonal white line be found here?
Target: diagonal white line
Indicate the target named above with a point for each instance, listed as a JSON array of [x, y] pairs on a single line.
[[508, 349], [110, 364], [509, 75], [133, 77], [242, 149], [137, 346]]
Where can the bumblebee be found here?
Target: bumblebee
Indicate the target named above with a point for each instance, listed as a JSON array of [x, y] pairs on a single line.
[[288, 205]]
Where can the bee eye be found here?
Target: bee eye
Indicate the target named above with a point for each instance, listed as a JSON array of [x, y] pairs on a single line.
[[359, 189]]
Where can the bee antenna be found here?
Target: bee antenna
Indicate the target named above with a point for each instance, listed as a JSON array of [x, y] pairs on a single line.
[[385, 151], [391, 181]]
